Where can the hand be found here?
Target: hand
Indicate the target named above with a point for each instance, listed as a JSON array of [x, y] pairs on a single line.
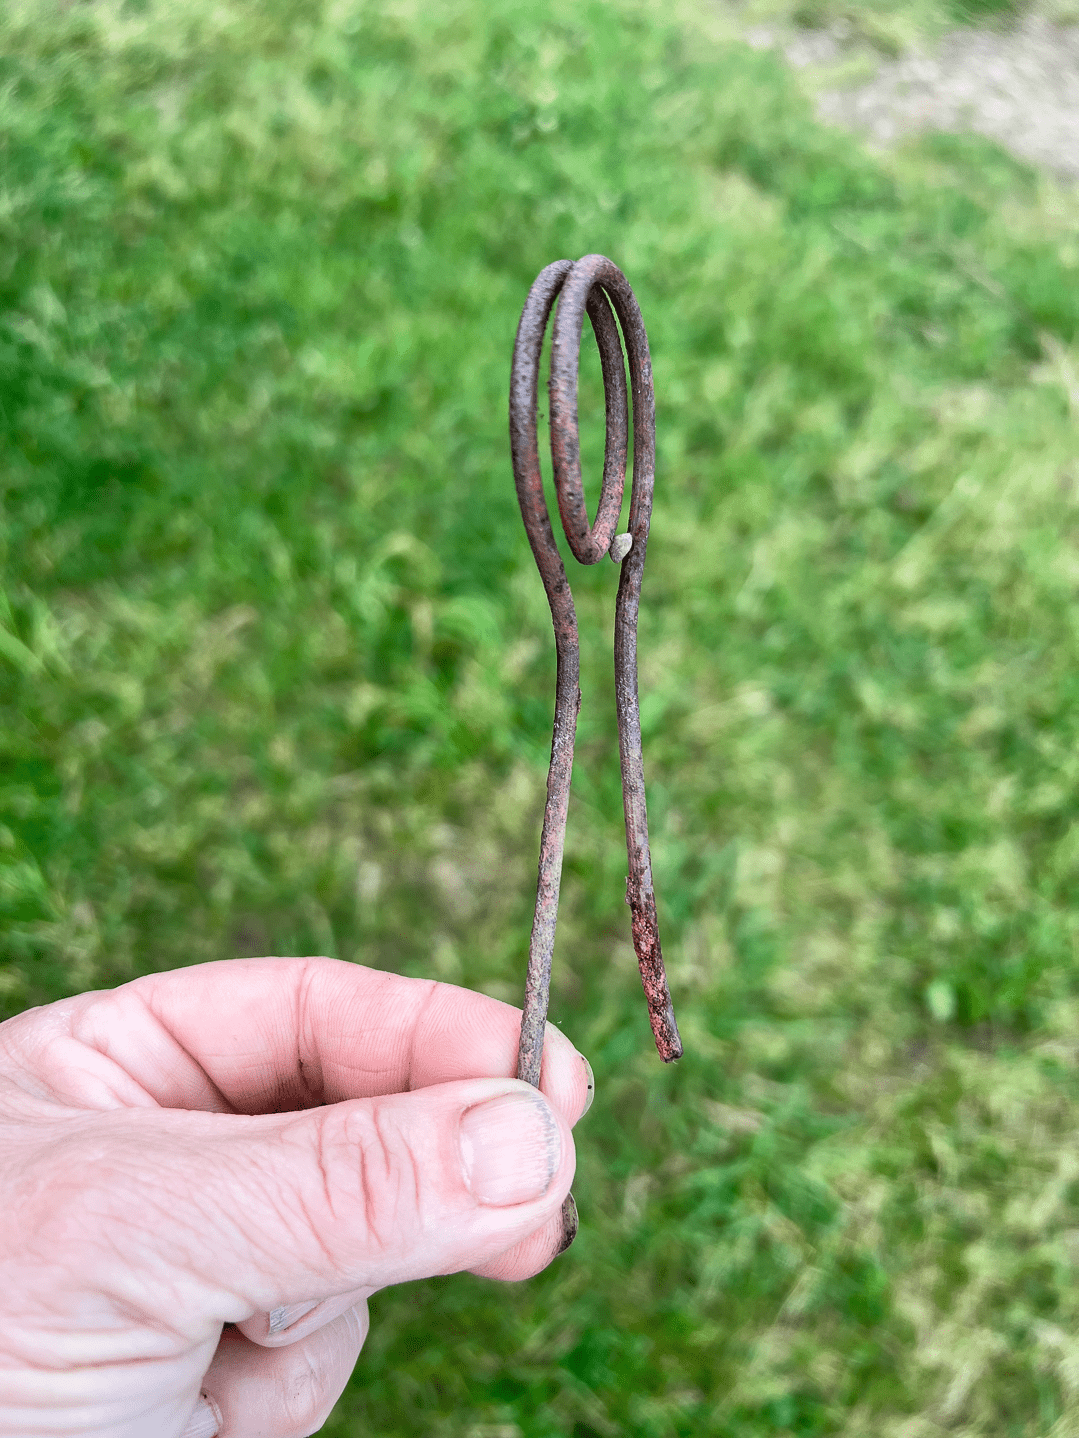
[[264, 1143]]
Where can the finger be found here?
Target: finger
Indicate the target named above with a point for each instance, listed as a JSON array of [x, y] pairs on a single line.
[[283, 1392], [533, 1254], [267, 1035], [241, 1215], [290, 1321]]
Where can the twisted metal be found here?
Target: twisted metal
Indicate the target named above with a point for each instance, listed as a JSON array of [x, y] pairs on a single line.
[[592, 284]]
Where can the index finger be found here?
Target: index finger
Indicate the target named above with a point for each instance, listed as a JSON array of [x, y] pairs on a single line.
[[270, 1035]]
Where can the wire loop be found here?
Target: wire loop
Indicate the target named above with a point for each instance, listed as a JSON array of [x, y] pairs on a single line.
[[595, 286]]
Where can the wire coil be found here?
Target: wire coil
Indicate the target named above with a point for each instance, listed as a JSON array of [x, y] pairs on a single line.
[[596, 286]]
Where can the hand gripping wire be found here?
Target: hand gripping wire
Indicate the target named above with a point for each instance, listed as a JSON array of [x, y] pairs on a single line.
[[592, 284]]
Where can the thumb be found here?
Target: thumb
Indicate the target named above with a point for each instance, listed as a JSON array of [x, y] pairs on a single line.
[[280, 1209]]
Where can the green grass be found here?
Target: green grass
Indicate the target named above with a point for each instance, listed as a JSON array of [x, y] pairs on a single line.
[[276, 670]]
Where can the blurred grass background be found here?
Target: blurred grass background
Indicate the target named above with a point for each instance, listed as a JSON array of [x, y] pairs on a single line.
[[276, 669]]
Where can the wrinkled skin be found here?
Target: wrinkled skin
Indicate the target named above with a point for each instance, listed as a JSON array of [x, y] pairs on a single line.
[[209, 1146]]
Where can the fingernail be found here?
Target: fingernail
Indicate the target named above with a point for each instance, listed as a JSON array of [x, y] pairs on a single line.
[[510, 1149], [288, 1314], [202, 1423], [591, 1086], [570, 1223]]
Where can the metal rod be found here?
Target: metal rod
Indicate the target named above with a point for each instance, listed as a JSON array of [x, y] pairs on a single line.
[[592, 285]]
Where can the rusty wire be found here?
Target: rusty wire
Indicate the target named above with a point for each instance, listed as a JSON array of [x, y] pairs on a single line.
[[592, 284]]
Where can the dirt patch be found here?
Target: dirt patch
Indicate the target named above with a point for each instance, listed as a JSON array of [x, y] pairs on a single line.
[[1019, 88]]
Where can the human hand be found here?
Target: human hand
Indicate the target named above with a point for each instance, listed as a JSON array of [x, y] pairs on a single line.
[[264, 1143]]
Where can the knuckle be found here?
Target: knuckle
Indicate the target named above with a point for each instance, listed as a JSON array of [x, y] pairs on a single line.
[[369, 1163], [305, 1399]]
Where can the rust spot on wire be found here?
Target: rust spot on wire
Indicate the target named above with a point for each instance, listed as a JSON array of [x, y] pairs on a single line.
[[592, 285]]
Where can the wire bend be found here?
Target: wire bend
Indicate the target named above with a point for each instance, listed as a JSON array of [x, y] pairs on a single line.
[[593, 285]]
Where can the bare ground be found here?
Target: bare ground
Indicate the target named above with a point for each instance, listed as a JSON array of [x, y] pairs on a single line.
[[1019, 88]]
